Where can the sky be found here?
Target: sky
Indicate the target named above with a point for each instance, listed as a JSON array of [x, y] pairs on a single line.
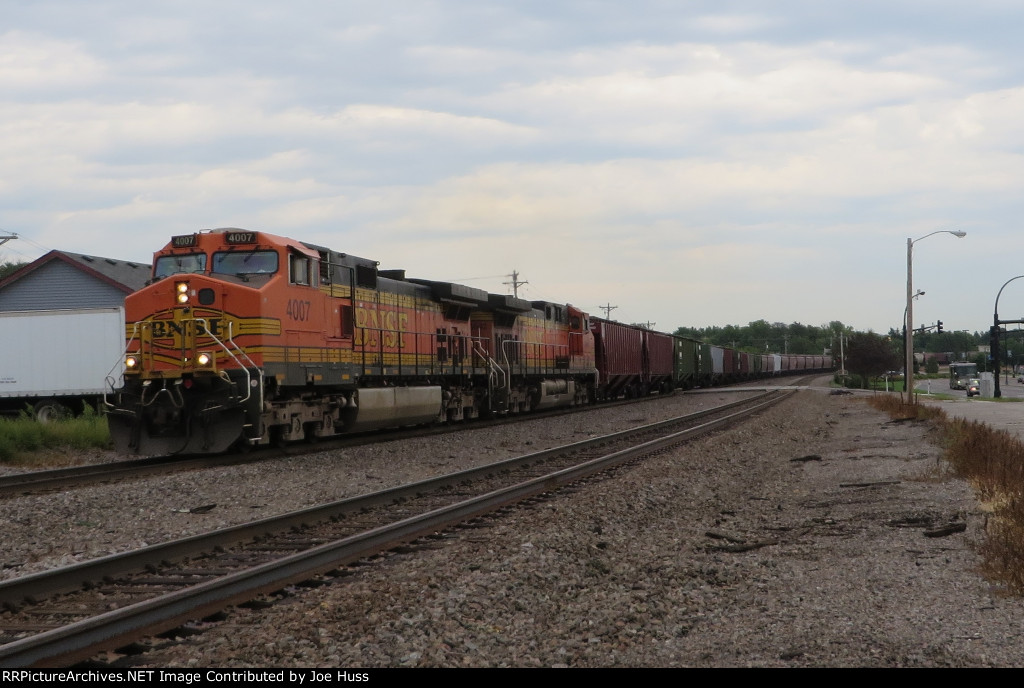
[[690, 163]]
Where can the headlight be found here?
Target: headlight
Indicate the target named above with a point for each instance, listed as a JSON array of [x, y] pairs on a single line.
[[181, 291], [204, 359], [131, 362]]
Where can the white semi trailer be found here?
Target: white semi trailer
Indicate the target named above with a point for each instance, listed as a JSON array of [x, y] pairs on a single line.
[[57, 361]]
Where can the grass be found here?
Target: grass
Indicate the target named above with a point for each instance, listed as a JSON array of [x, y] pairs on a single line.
[[992, 461], [23, 441]]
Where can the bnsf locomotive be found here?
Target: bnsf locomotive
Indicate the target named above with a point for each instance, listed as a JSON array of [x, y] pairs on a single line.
[[244, 337]]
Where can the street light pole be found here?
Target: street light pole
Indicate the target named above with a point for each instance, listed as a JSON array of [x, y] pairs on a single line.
[[909, 363], [908, 345], [995, 335]]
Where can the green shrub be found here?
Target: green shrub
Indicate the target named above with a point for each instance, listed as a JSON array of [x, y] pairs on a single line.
[[23, 436]]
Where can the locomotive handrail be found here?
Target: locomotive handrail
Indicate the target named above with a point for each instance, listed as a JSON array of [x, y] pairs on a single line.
[[110, 379], [178, 402], [538, 361], [495, 370], [456, 357], [138, 330], [245, 370]]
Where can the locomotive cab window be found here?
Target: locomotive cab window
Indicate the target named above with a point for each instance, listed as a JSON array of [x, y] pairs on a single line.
[[248, 263], [178, 264], [325, 267], [302, 269]]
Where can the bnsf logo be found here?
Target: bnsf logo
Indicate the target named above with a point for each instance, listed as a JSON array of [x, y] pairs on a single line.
[[163, 329], [389, 325]]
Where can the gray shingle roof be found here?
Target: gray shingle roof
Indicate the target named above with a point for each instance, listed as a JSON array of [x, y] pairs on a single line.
[[128, 276]]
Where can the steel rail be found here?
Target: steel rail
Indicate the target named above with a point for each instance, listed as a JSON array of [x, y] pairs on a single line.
[[47, 583], [81, 639], [63, 478]]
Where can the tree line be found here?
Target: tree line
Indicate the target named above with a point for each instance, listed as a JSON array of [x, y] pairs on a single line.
[[867, 354], [762, 336]]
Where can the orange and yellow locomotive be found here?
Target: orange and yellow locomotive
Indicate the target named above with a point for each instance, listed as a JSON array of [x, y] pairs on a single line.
[[246, 337]]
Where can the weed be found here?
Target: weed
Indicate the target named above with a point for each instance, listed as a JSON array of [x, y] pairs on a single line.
[[992, 461], [22, 438]]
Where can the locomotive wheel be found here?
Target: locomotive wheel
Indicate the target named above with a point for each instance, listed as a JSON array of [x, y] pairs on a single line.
[[310, 432], [277, 437]]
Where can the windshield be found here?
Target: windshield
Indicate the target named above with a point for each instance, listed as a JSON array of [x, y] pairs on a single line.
[[251, 263], [173, 265], [964, 370]]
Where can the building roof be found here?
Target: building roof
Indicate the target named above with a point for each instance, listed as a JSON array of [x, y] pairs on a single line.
[[126, 276]]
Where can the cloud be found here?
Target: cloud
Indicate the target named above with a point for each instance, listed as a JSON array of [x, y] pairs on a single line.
[[32, 66], [610, 153]]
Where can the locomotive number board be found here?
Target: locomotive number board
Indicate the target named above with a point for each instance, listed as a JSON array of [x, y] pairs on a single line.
[[240, 237]]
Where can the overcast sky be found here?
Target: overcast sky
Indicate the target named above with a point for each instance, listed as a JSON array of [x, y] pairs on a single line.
[[691, 163]]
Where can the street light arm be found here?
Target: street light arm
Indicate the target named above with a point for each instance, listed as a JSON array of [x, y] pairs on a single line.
[[959, 234], [995, 308], [994, 342], [908, 342]]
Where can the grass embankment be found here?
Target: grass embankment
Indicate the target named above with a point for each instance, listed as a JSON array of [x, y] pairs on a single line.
[[992, 461], [23, 441]]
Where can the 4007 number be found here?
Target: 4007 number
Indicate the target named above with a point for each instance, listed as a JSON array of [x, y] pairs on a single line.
[[298, 310]]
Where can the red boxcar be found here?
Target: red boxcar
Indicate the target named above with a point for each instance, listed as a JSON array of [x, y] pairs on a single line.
[[659, 349], [631, 361]]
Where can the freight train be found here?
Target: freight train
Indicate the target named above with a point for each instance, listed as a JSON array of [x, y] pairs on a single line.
[[245, 338]]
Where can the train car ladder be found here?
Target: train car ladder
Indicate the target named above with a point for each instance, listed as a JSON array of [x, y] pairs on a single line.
[[498, 381]]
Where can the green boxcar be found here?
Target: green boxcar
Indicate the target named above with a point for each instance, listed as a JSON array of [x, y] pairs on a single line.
[[687, 359]]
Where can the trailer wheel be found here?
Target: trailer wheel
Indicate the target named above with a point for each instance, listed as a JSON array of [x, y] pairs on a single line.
[[49, 410]]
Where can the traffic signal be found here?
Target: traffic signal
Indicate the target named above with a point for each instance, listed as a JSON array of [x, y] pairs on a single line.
[[939, 327]]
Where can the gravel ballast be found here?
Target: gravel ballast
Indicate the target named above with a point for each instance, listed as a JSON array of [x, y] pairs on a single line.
[[795, 540]]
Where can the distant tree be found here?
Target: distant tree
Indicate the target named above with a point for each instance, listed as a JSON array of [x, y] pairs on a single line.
[[760, 336], [870, 355], [7, 267]]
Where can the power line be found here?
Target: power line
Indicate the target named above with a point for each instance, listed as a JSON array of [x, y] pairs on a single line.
[[471, 279]]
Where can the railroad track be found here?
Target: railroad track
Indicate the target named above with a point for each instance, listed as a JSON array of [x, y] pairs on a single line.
[[36, 482], [67, 615]]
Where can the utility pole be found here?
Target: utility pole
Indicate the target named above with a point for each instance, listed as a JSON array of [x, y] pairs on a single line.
[[515, 283], [608, 310], [842, 356]]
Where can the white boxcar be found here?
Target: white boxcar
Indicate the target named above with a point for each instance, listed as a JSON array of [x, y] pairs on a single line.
[[717, 360], [58, 361]]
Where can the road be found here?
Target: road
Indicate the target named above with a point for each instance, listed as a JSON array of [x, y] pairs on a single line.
[[1000, 414]]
